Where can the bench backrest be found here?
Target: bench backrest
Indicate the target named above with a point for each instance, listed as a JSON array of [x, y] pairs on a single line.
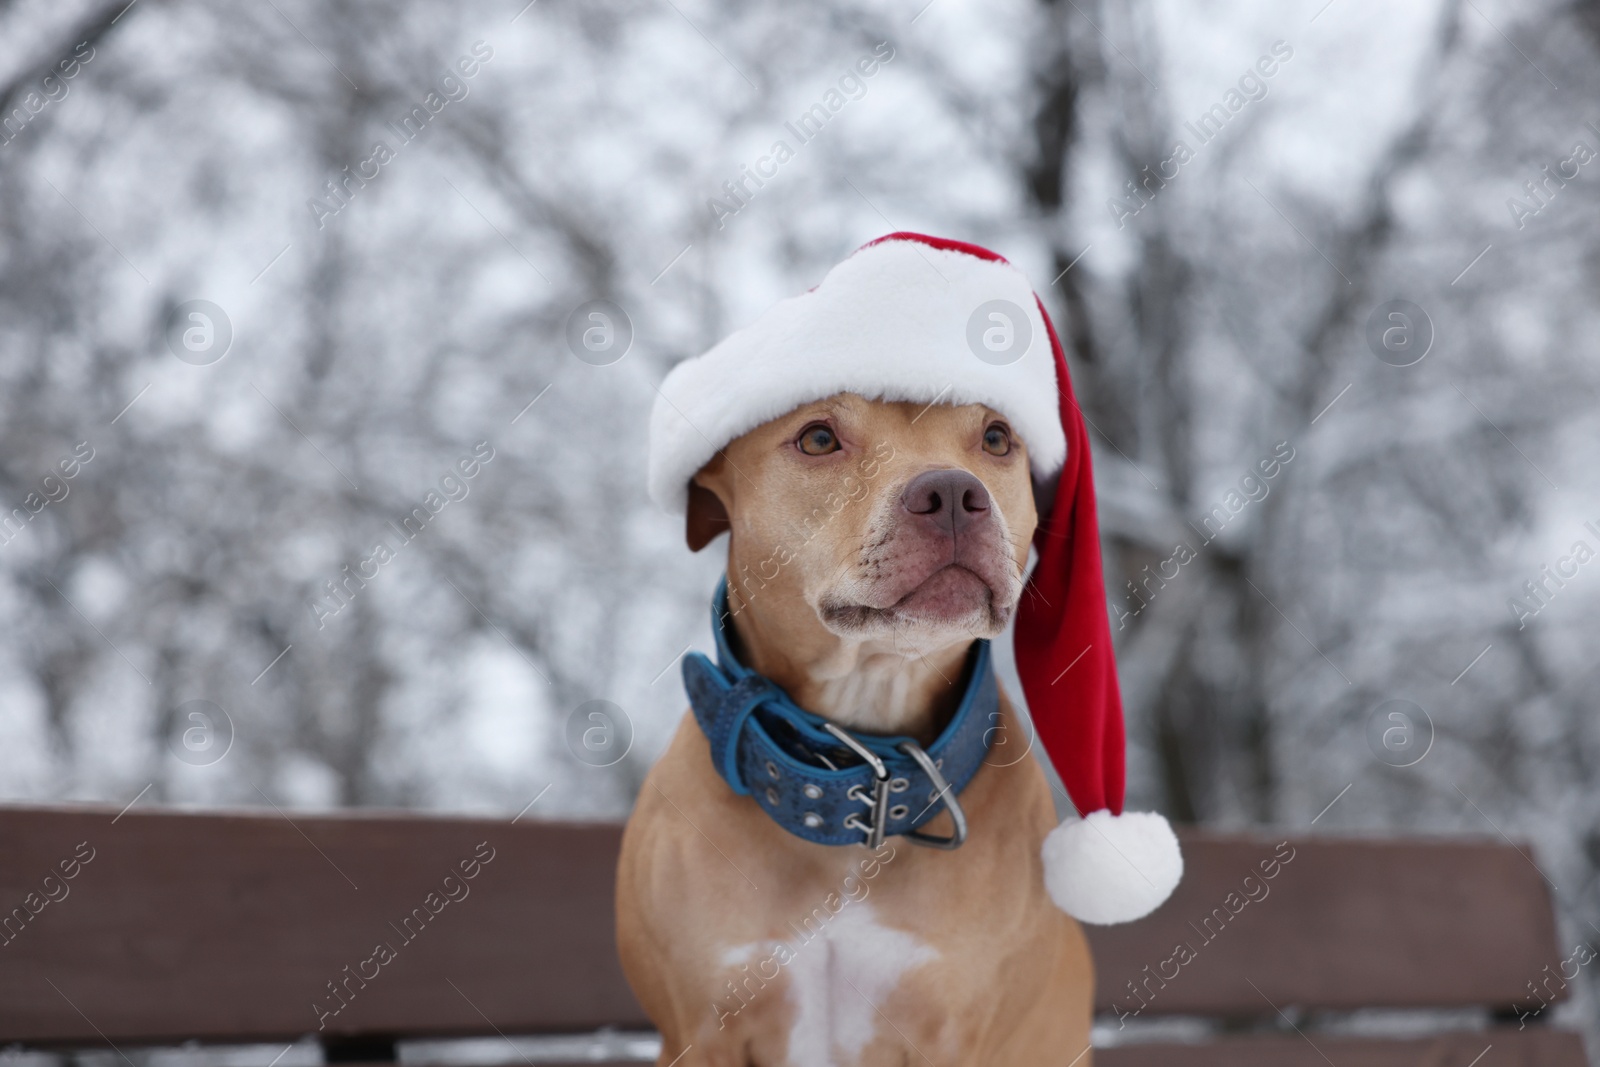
[[230, 926], [1337, 924], [160, 926]]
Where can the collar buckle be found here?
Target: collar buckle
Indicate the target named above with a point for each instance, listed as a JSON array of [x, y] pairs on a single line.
[[948, 795], [878, 805]]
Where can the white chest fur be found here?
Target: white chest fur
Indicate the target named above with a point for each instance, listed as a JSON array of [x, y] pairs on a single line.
[[839, 974]]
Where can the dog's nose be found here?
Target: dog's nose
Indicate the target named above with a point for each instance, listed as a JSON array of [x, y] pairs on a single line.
[[951, 499]]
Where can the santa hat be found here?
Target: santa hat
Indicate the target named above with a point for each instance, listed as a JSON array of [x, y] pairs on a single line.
[[915, 318]]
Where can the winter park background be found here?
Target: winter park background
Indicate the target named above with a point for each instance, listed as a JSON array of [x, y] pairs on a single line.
[[1353, 244]]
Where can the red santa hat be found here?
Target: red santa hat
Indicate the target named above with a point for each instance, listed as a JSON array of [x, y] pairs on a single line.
[[909, 318]]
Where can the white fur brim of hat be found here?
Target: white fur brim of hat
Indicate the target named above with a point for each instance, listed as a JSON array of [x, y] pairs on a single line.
[[899, 320]]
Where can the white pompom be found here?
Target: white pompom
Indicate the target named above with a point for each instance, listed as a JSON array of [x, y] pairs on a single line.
[[1107, 868]]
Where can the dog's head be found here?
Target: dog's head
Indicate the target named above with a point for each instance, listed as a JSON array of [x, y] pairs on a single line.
[[895, 522]]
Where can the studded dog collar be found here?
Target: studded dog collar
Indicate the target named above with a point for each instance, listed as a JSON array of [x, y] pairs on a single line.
[[821, 782]]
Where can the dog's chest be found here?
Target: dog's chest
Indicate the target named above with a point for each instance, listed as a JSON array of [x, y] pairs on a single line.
[[836, 971]]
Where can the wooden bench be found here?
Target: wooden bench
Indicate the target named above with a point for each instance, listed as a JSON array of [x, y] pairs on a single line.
[[231, 928]]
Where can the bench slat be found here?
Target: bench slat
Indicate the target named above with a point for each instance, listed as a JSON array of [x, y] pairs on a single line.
[[230, 926], [1528, 1048], [1344, 924]]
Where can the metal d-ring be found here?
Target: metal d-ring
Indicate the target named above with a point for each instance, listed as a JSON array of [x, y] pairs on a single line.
[[931, 769], [880, 788]]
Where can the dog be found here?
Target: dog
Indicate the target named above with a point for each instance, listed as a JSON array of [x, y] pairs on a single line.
[[872, 543]]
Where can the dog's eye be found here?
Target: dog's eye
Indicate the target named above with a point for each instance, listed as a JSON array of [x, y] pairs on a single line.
[[817, 440], [996, 440]]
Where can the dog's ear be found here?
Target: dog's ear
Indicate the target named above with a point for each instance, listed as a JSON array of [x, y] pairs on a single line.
[[706, 517]]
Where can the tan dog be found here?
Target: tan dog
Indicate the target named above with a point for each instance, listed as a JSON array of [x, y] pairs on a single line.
[[871, 542]]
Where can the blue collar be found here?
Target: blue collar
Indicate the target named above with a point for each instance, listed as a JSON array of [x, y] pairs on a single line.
[[821, 782]]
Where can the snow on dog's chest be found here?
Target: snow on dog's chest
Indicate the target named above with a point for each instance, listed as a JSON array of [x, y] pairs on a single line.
[[838, 970]]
